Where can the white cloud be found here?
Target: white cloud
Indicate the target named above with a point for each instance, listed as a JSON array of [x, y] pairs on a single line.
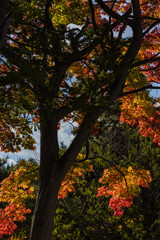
[[10, 161], [64, 134], [157, 104]]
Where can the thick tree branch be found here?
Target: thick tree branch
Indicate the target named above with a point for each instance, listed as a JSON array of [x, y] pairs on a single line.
[[108, 10], [150, 69], [131, 53], [139, 90], [83, 133], [114, 2], [92, 14], [151, 18], [151, 27], [4, 28], [121, 32], [126, 15], [114, 15], [146, 61]]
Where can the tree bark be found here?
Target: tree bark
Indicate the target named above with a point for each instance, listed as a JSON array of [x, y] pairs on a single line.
[[44, 210], [52, 171], [49, 182]]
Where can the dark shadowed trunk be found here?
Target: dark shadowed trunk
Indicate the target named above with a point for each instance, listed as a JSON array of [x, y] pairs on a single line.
[[44, 210], [52, 171], [49, 182]]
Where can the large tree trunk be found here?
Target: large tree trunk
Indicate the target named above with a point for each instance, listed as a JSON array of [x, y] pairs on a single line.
[[52, 171], [49, 182], [44, 211]]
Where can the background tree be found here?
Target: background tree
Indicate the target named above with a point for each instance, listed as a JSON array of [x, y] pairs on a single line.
[[49, 43]]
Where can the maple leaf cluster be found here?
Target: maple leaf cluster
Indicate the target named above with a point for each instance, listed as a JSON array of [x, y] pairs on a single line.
[[14, 192], [77, 170], [142, 113], [122, 184]]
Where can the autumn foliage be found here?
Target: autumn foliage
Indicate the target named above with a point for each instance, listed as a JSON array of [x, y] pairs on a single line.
[[14, 192], [77, 170], [142, 113], [119, 183], [19, 187], [122, 184]]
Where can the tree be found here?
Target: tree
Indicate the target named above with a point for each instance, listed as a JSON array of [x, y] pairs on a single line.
[[49, 43]]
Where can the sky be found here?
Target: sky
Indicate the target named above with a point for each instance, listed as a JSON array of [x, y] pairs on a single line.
[[155, 92], [64, 136]]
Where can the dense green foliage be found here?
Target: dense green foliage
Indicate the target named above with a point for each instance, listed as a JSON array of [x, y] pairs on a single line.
[[84, 216]]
